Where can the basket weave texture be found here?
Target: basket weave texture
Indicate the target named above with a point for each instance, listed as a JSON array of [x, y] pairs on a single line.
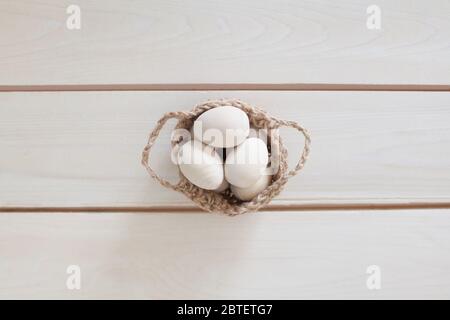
[[225, 202]]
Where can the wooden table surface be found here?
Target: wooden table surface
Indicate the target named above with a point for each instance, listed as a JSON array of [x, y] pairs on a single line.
[[76, 107]]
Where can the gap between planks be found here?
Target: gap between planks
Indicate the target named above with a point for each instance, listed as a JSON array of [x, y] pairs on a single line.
[[187, 209], [226, 87]]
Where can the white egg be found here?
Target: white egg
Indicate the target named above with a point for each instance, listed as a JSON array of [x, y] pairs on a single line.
[[201, 165], [246, 163], [224, 186], [222, 127], [249, 193]]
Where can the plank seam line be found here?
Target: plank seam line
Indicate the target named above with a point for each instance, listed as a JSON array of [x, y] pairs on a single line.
[[186, 209], [226, 87]]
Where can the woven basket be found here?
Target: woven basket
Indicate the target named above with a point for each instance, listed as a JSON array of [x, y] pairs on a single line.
[[225, 202]]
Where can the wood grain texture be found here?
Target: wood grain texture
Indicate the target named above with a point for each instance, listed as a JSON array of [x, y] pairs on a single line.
[[224, 41], [83, 149], [257, 256]]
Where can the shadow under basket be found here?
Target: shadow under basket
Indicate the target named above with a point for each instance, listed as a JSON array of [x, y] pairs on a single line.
[[225, 202]]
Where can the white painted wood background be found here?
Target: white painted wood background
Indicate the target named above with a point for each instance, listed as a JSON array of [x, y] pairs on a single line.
[[267, 255], [80, 151], [217, 41]]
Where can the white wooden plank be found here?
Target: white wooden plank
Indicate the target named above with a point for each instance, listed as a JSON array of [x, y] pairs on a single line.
[[190, 256], [224, 41], [83, 149]]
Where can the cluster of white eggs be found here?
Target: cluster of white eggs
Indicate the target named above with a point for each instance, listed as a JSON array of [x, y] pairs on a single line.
[[242, 167]]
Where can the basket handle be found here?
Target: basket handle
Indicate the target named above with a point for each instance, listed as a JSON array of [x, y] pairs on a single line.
[[151, 140], [305, 153]]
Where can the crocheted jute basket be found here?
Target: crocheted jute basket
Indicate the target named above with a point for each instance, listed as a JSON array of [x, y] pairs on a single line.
[[225, 202]]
